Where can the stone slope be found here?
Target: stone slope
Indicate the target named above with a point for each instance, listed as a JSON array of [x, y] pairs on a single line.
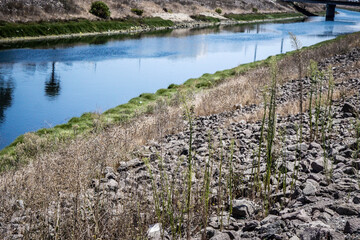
[[324, 202]]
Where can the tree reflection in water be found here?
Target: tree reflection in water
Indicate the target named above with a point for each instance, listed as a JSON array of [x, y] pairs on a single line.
[[6, 96], [52, 86]]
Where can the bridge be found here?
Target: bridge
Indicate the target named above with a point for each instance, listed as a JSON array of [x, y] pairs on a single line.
[[330, 5]]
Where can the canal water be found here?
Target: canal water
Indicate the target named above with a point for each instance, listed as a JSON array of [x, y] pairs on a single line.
[[47, 83]]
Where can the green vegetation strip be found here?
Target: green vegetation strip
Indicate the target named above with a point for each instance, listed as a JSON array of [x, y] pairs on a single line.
[[140, 105], [103, 38], [86, 39], [204, 18], [55, 28], [12, 30], [260, 16]]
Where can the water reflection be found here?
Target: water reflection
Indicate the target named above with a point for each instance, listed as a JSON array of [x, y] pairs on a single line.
[[176, 44], [30, 68], [256, 46], [52, 86], [6, 96], [329, 30]]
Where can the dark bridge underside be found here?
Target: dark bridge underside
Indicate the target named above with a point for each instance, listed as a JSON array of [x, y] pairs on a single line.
[[330, 5], [348, 3]]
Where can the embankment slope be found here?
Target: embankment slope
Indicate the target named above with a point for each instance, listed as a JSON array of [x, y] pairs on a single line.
[[43, 10]]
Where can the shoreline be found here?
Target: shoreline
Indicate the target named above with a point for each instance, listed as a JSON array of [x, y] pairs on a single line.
[[139, 106], [141, 29]]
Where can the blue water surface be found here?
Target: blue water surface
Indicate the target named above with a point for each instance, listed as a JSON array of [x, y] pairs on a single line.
[[45, 86]]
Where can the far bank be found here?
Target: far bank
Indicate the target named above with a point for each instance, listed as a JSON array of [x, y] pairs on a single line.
[[20, 32]]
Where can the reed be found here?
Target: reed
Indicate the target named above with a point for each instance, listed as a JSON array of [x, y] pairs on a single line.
[[318, 101], [329, 115], [173, 203], [258, 183], [281, 168], [206, 185], [220, 197], [296, 44], [254, 176], [271, 132], [297, 161], [357, 136], [326, 123], [189, 115], [330, 96], [284, 165], [356, 153], [314, 78], [231, 178]]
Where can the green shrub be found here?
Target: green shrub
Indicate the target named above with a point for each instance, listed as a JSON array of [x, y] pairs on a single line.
[[255, 10], [218, 10], [161, 91], [100, 9], [138, 12], [172, 86]]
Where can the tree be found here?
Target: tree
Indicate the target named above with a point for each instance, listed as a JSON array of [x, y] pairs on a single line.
[[100, 9]]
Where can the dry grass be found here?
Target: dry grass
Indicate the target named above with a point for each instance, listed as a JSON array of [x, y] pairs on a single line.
[[246, 89], [243, 89], [292, 107], [61, 176]]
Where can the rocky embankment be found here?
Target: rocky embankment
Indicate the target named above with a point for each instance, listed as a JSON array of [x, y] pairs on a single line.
[[314, 190], [178, 10]]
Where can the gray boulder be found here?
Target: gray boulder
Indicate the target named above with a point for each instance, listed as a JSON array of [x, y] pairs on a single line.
[[250, 226], [155, 232], [317, 165], [315, 233], [134, 163], [243, 208], [352, 226], [311, 187], [221, 236], [349, 109], [347, 209]]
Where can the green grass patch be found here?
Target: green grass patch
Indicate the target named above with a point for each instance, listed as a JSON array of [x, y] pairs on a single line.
[[204, 18], [260, 16], [10, 30], [138, 12]]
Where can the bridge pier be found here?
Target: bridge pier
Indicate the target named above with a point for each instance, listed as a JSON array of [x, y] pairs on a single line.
[[330, 12]]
